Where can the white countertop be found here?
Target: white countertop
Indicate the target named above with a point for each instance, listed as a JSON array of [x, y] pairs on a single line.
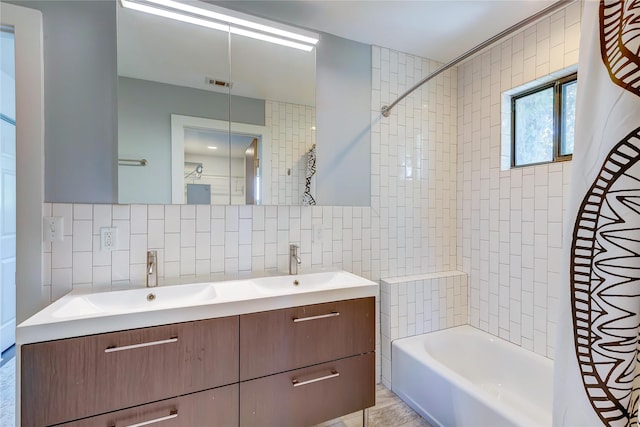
[[80, 313]]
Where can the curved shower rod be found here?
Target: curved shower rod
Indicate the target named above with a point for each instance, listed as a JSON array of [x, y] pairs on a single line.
[[386, 109]]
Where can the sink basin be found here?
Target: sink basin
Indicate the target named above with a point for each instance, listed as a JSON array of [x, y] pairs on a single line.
[[79, 313], [197, 294], [137, 300], [306, 282]]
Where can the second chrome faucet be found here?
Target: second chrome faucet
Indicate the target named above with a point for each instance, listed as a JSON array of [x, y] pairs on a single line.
[[152, 269], [294, 259]]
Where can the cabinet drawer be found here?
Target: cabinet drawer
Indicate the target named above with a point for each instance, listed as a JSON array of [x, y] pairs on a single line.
[[75, 378], [217, 407], [309, 396], [302, 336]]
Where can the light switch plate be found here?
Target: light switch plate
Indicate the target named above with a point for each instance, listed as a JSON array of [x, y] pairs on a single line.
[[53, 228]]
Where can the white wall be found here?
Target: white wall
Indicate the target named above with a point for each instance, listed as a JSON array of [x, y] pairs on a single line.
[[80, 99], [343, 91], [510, 222]]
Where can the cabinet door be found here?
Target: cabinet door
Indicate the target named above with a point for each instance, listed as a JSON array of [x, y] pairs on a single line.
[[216, 408], [309, 396], [296, 337], [80, 377]]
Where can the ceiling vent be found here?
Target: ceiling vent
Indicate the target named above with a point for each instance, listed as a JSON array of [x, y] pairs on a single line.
[[217, 82]]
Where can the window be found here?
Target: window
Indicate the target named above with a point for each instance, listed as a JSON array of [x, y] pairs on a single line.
[[543, 122]]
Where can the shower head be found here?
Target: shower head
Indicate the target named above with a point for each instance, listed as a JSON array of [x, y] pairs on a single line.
[[197, 171]]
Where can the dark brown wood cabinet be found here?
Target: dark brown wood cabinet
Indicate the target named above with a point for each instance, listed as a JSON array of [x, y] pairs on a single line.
[[304, 365], [301, 336], [290, 367], [215, 408], [74, 378], [310, 395]]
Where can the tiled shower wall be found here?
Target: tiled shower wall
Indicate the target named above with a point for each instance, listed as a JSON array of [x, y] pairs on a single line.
[[510, 222], [413, 166], [291, 136], [414, 191]]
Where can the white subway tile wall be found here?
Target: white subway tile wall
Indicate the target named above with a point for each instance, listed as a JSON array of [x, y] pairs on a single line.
[[510, 223], [192, 241], [413, 164], [414, 305]]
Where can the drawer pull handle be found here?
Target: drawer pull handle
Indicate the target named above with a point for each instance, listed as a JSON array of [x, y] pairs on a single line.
[[322, 316], [173, 414], [144, 344], [333, 374]]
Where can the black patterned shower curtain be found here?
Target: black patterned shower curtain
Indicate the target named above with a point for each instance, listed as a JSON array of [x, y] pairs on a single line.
[[597, 367], [307, 198]]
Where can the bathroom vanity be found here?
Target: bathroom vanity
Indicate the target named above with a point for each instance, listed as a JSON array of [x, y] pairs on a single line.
[[306, 357]]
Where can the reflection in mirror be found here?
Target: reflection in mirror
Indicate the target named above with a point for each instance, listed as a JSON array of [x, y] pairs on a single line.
[[162, 64], [171, 68], [208, 158], [223, 176], [289, 94]]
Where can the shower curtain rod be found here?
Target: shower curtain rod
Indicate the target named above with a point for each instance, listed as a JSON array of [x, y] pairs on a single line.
[[386, 109]]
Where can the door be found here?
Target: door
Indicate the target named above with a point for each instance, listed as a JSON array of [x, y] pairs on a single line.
[[7, 189], [27, 27]]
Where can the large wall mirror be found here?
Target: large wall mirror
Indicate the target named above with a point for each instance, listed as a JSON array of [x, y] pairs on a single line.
[[207, 116]]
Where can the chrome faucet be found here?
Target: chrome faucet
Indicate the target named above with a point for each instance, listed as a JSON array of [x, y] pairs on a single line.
[[294, 259], [152, 269]]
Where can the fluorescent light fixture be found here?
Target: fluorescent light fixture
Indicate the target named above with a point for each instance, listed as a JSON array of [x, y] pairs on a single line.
[[267, 38], [226, 20], [212, 148]]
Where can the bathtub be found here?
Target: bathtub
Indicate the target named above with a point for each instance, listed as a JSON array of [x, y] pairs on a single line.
[[465, 377]]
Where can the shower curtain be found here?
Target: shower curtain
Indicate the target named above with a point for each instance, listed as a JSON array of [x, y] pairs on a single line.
[[307, 198], [597, 367]]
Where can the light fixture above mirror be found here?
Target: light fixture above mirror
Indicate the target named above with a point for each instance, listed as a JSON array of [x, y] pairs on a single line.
[[234, 22]]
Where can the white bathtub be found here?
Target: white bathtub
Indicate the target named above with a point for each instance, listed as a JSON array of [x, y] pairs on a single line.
[[465, 377]]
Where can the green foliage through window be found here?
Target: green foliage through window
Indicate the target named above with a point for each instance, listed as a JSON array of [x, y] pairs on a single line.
[[543, 122]]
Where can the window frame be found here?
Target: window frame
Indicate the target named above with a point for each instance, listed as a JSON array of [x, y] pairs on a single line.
[[557, 86]]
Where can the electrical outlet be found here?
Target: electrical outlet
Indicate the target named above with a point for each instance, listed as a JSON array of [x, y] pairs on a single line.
[[53, 228], [108, 238]]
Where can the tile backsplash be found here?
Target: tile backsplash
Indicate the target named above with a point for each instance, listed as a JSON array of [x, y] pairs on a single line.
[[202, 241]]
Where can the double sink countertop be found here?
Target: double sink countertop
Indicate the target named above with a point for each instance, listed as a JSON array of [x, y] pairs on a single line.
[[82, 313]]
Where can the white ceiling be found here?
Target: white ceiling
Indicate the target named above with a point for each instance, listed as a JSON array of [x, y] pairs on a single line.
[[434, 29]]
